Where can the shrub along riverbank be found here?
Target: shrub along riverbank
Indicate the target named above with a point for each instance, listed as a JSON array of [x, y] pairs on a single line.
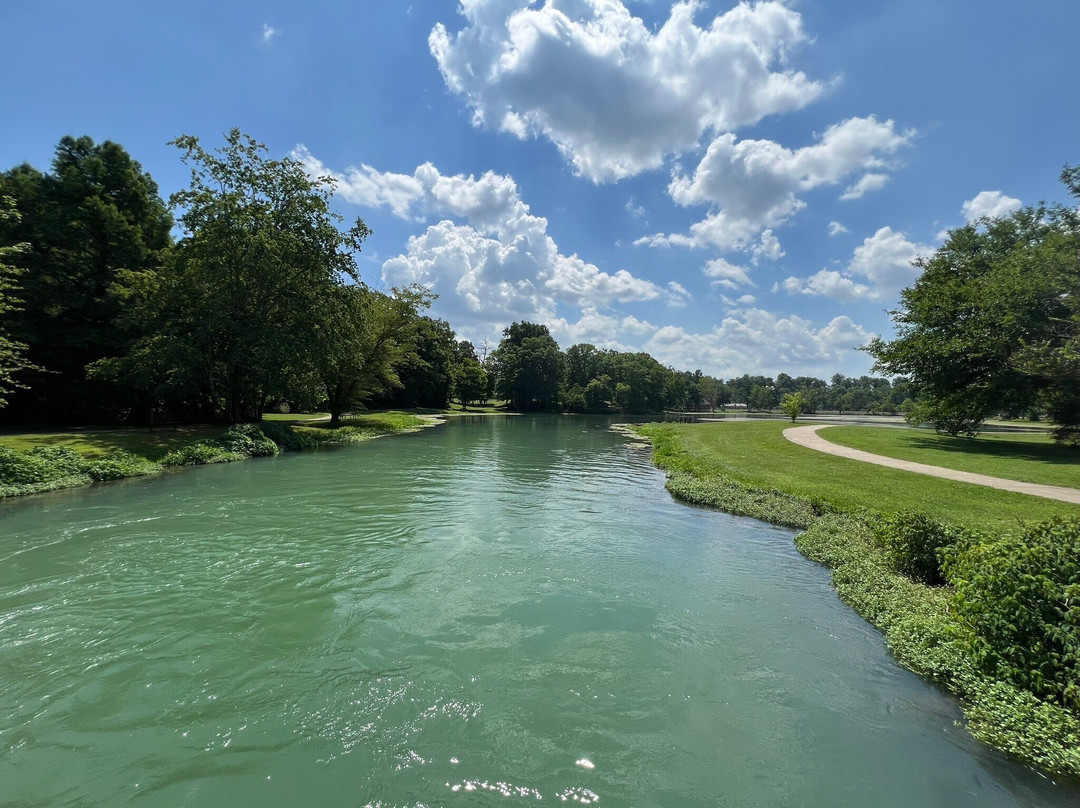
[[987, 610], [31, 464]]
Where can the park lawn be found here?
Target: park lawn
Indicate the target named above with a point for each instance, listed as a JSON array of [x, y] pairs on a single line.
[[756, 454], [295, 417], [98, 443], [1029, 457]]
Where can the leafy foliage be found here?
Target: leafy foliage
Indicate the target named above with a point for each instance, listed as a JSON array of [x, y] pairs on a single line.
[[1018, 607], [794, 405], [90, 227], [46, 468], [913, 543], [992, 325]]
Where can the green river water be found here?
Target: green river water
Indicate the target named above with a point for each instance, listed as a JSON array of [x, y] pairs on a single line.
[[494, 612]]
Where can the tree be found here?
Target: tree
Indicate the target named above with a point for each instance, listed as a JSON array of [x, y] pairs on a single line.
[[261, 251], [793, 405], [91, 225], [991, 325], [470, 381], [368, 336], [12, 353], [760, 398], [528, 367]]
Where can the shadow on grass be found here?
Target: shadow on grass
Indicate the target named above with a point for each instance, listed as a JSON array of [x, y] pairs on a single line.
[[1005, 450]]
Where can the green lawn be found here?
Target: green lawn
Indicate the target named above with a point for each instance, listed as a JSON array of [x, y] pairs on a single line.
[[96, 443], [755, 453], [296, 417], [101, 442], [1028, 457]]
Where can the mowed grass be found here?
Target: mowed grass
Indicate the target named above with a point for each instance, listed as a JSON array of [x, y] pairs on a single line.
[[1028, 457], [757, 454], [98, 443]]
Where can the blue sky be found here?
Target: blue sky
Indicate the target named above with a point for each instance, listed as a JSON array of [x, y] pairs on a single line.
[[736, 188]]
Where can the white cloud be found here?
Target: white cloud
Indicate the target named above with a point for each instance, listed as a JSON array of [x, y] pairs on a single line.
[[866, 184], [727, 275], [835, 229], [884, 260], [500, 264], [989, 203], [754, 185], [268, 32], [758, 341], [613, 95], [829, 283], [600, 329], [767, 249]]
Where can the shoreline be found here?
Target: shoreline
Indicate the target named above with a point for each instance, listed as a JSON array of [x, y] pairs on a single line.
[[913, 618], [77, 470]]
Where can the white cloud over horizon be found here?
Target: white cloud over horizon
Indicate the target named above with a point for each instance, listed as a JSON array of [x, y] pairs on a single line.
[[499, 264]]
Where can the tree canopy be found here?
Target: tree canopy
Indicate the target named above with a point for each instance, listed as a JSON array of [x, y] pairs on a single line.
[[992, 325]]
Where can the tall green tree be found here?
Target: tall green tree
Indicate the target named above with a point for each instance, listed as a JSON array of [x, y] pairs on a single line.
[[91, 224], [12, 354], [990, 326], [528, 366], [366, 337], [261, 252]]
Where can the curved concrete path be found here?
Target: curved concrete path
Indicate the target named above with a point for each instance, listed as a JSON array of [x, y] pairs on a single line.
[[808, 436]]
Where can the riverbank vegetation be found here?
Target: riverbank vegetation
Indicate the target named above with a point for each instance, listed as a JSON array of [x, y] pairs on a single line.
[[36, 462], [972, 588]]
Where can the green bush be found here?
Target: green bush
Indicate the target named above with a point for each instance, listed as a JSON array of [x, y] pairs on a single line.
[[913, 542], [200, 454], [120, 465], [247, 440], [1018, 607], [287, 438], [41, 465]]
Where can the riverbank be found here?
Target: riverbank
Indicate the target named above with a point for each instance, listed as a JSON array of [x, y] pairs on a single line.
[[37, 462], [841, 507]]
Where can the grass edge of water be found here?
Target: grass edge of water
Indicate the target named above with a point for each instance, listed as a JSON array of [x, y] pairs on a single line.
[[66, 468], [914, 618]]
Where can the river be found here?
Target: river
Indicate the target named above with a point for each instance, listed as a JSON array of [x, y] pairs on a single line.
[[495, 611]]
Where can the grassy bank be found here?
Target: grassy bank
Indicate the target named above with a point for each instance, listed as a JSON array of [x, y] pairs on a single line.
[[1030, 457], [35, 462], [842, 507]]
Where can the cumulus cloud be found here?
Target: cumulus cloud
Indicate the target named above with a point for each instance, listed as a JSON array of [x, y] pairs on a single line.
[[601, 329], [268, 32], [835, 229], [758, 341], [498, 264], [883, 260], [613, 95], [755, 185], [989, 204], [866, 184], [727, 275]]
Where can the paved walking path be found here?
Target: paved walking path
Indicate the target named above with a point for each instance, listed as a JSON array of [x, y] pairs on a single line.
[[808, 436]]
